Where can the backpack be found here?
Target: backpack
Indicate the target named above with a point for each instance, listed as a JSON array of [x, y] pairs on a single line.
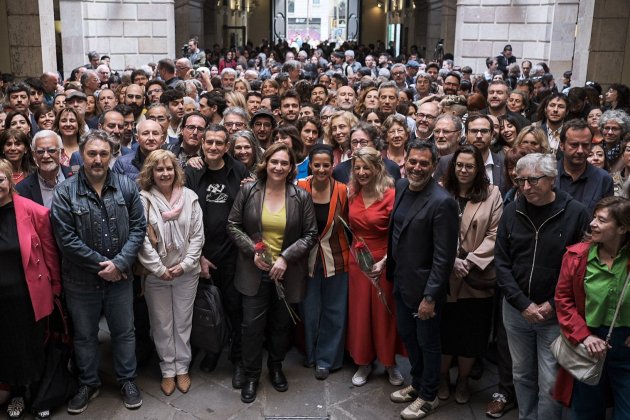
[[210, 328]]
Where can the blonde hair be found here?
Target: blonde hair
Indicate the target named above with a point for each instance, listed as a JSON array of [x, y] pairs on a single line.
[[145, 179], [538, 134], [382, 181], [350, 119], [7, 169], [236, 99]]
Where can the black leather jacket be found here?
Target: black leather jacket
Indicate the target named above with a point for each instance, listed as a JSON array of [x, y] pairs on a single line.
[[77, 226]]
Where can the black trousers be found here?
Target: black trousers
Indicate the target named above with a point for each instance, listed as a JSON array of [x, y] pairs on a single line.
[[223, 278], [266, 319]]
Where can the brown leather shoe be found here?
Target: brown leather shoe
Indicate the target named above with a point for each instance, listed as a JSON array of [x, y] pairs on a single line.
[[168, 386], [183, 383]]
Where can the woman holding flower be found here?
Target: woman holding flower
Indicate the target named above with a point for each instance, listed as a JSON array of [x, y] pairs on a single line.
[[372, 330], [282, 215]]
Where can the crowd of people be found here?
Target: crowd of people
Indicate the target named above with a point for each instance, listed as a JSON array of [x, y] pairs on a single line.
[[382, 204]]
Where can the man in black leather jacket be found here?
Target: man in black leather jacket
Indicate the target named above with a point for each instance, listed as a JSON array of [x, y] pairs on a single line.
[[99, 225]]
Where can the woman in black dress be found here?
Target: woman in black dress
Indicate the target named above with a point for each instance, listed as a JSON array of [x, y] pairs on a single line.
[[30, 277]]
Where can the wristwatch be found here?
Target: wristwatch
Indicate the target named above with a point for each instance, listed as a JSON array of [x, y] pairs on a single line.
[[428, 298]]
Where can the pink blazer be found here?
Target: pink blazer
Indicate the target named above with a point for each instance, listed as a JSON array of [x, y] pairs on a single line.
[[40, 258]]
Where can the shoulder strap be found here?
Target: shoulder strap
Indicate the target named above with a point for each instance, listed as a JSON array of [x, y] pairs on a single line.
[[621, 296]]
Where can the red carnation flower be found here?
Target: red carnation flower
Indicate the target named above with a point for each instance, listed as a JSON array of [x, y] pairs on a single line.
[[260, 247]]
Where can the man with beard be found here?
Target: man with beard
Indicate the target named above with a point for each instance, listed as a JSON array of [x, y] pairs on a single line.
[[319, 94], [134, 98], [107, 100], [189, 145], [420, 271], [217, 183], [113, 123], [451, 83], [174, 100], [253, 100], [212, 105], [583, 181], [433, 69], [425, 121], [479, 132], [228, 77], [39, 186], [447, 133], [346, 98], [498, 94], [262, 125], [552, 112], [127, 139], [290, 107]]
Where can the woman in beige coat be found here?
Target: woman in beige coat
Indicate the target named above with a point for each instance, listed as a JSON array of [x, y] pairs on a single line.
[[466, 319], [174, 214]]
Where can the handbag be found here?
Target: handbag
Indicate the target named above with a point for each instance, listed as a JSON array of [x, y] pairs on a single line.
[[139, 269], [477, 278], [58, 383], [576, 360]]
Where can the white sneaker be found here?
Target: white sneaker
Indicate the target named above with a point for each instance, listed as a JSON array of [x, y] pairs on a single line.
[[419, 409], [361, 376], [395, 377], [405, 395]]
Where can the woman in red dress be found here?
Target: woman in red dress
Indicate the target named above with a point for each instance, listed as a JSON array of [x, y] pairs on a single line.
[[372, 330]]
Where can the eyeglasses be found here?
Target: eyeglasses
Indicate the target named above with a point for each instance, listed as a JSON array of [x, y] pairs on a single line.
[[483, 131], [445, 132], [325, 117], [234, 124], [363, 143], [533, 180], [193, 127], [422, 116], [468, 166], [613, 129], [50, 151]]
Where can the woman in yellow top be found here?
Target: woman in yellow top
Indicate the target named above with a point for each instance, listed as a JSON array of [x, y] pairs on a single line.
[[280, 214]]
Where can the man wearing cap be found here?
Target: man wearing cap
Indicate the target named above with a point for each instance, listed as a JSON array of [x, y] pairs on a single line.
[[78, 101], [262, 124], [505, 59], [412, 70]]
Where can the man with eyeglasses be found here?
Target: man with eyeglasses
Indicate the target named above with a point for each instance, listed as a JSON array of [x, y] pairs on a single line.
[[399, 75], [425, 121], [155, 89], [103, 72], [583, 181], [447, 133], [39, 186], [134, 98], [534, 232], [262, 125], [217, 183], [235, 119], [479, 129], [189, 144]]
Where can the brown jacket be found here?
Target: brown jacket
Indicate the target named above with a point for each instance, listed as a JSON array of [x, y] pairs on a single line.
[[477, 234], [300, 235]]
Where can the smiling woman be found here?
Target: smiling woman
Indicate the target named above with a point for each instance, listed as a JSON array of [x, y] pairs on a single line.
[[15, 147]]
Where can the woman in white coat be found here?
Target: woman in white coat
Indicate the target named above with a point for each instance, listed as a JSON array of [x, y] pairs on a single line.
[[174, 218]]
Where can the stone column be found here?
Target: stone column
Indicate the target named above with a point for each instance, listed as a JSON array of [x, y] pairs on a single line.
[[28, 34]]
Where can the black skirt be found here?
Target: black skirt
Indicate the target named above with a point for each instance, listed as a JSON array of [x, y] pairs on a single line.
[[22, 339], [465, 327]]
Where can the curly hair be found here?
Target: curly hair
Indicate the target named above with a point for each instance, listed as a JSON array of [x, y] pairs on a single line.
[[145, 179]]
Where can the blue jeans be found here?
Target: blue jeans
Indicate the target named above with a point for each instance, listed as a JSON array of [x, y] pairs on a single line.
[[422, 339], [85, 306], [589, 401], [324, 311], [533, 365]]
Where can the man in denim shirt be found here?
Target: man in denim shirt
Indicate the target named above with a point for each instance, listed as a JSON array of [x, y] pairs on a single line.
[[99, 225]]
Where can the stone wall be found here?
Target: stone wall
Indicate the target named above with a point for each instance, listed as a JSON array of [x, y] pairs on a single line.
[[538, 30], [27, 52], [131, 32]]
